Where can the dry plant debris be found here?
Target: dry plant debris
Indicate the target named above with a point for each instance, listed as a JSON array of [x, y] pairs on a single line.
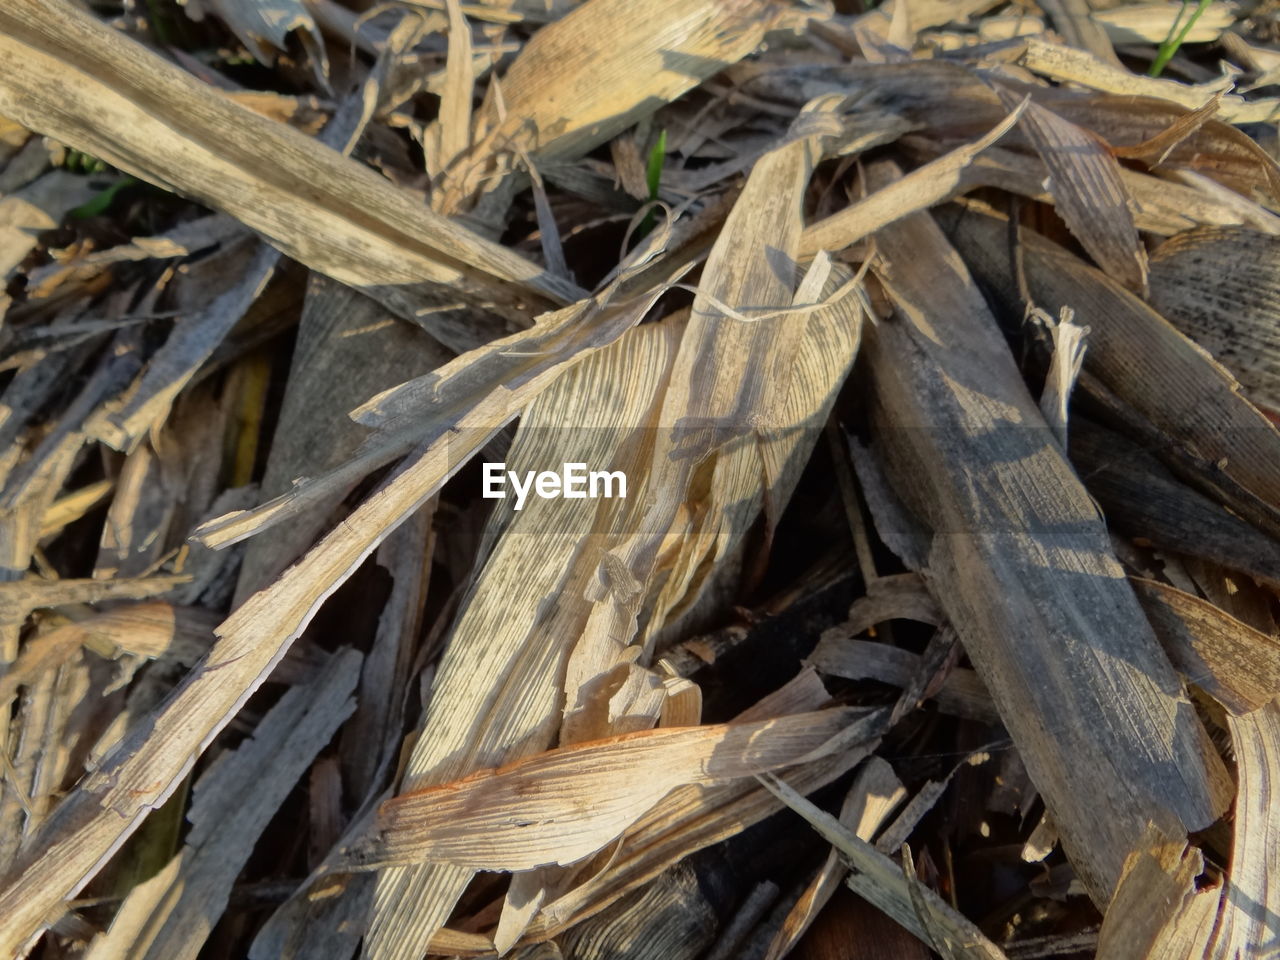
[[916, 593]]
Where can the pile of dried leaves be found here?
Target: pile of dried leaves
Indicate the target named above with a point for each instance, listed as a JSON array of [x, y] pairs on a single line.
[[823, 283]]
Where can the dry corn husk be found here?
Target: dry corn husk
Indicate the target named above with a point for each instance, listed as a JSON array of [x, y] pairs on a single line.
[[752, 413], [872, 797], [711, 410], [1089, 194], [566, 804], [1251, 898], [1236, 664], [953, 102], [1143, 499], [124, 104], [1160, 909], [1202, 426], [263, 28], [893, 888], [1159, 206], [1218, 286], [694, 817], [510, 656], [340, 329], [596, 71], [919, 190], [1071, 65], [144, 630], [1157, 910], [149, 763], [969, 453], [170, 915], [1151, 22]]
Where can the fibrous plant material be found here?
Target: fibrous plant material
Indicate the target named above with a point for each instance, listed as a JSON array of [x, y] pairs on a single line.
[[917, 360], [483, 821], [172, 913], [1206, 429], [1009, 518], [323, 210], [1217, 286], [748, 416]]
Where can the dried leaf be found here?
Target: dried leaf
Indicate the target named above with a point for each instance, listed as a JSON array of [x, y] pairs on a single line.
[[1154, 151], [151, 760], [951, 102], [597, 70], [1204, 428], [1141, 498], [1084, 179], [348, 349], [1064, 368], [1157, 910], [962, 693], [903, 596], [1152, 22], [1218, 286], [38, 206], [607, 575], [921, 189], [692, 818], [143, 630], [872, 796], [450, 413], [193, 341], [561, 806], [1074, 20], [454, 126], [1213, 148], [19, 598], [157, 122], [264, 26], [1238, 665], [172, 914], [1163, 207], [510, 654], [1068, 644], [1064, 63], [883, 884], [1250, 924]]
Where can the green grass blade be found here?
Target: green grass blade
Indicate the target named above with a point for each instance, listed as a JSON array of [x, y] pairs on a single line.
[[1176, 36]]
